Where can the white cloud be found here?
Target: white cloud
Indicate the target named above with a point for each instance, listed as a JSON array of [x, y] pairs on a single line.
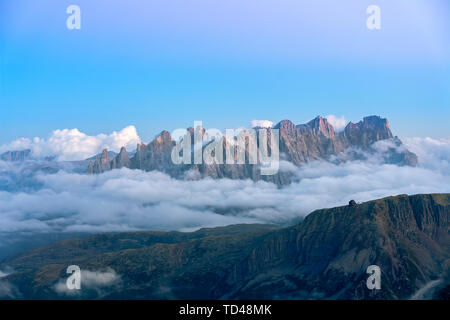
[[3, 274], [71, 144], [433, 154], [262, 123], [338, 123], [124, 200], [96, 280]]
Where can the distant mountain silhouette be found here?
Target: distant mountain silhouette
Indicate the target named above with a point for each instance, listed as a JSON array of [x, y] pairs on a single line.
[[21, 155]]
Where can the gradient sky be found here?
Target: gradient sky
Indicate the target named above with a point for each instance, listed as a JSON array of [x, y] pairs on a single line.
[[162, 64]]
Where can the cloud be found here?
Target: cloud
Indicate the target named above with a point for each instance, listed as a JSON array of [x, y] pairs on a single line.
[[338, 123], [7, 290], [94, 279], [262, 123], [3, 274], [129, 200], [433, 154], [91, 280], [71, 144]]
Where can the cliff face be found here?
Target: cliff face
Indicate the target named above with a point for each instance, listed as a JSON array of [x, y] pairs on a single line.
[[317, 140], [121, 160], [325, 256], [299, 144]]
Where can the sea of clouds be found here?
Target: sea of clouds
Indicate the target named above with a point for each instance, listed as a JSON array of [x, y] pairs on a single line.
[[66, 202]]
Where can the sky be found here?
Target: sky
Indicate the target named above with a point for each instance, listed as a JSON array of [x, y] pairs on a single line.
[[164, 64]]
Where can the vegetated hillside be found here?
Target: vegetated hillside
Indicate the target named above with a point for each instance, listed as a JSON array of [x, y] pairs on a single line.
[[325, 256]]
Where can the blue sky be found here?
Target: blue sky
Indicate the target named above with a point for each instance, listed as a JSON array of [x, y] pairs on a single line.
[[163, 64]]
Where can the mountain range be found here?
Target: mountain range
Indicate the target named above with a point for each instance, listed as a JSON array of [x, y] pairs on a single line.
[[323, 257], [299, 144]]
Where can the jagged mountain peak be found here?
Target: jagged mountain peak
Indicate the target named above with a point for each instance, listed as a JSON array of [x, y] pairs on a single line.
[[121, 160], [315, 140], [368, 131], [123, 152], [200, 129], [104, 155], [370, 122], [283, 124], [164, 137], [321, 126]]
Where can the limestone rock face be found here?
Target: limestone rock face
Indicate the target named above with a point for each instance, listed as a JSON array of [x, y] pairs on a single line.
[[320, 126], [101, 163], [121, 160]]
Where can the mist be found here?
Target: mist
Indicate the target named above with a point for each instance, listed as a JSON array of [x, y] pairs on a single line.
[[49, 206]]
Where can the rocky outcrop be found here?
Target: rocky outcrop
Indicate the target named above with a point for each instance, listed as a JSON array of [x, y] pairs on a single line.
[[317, 140], [323, 257], [101, 164], [154, 156], [321, 127], [122, 160]]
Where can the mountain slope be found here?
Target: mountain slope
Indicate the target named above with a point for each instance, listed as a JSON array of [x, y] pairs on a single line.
[[325, 256]]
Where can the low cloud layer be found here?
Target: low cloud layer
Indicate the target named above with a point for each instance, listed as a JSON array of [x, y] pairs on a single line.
[[125, 200], [434, 154], [71, 144]]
